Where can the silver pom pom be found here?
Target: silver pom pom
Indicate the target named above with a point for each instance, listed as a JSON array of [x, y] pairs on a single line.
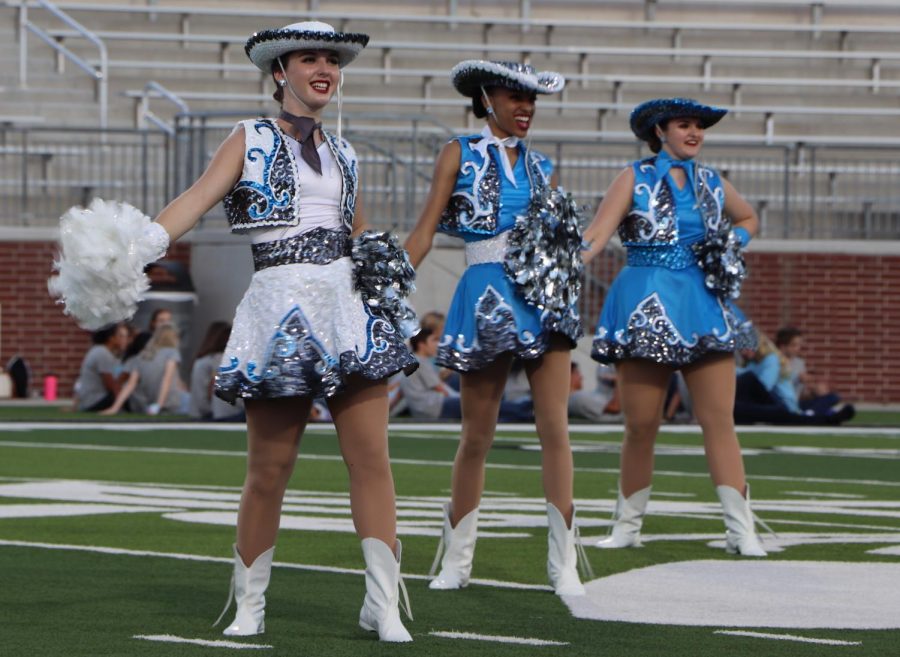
[[385, 278], [544, 255], [721, 258]]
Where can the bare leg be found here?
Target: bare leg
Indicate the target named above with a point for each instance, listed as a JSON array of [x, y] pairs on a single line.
[[712, 383], [549, 378], [361, 418], [481, 393], [642, 387], [274, 427]]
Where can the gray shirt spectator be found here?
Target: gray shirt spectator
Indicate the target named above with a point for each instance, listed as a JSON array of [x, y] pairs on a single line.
[[150, 378], [420, 390], [202, 374], [90, 386]]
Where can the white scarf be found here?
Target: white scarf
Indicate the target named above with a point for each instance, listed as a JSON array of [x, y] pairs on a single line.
[[490, 139]]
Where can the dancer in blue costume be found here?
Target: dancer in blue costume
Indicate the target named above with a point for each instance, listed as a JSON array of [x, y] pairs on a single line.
[[490, 190], [671, 307], [302, 328]]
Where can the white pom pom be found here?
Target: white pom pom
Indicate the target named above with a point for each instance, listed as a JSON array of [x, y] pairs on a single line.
[[101, 263]]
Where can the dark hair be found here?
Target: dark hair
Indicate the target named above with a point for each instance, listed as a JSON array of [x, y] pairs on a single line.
[[105, 334], [157, 313], [279, 90], [420, 338], [785, 335], [653, 141], [215, 340]]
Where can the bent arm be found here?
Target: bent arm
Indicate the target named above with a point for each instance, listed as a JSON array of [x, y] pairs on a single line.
[[741, 212], [224, 170], [418, 244], [613, 208], [123, 395]]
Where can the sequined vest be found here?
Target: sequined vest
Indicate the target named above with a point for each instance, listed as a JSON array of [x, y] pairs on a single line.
[[475, 205], [268, 193], [653, 219]]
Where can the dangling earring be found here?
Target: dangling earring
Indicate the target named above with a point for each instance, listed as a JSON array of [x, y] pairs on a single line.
[[282, 82]]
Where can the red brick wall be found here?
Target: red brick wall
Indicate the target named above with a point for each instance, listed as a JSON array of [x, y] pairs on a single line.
[[32, 325], [847, 305]]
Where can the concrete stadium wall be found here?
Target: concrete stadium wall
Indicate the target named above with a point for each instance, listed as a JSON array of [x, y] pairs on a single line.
[[847, 301]]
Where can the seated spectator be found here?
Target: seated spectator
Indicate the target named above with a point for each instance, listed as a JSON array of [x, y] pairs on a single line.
[[434, 321], [428, 397], [764, 392], [153, 384], [98, 380], [204, 404], [812, 394], [592, 404]]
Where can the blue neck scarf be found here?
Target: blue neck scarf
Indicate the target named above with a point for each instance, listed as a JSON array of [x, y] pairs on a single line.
[[665, 162]]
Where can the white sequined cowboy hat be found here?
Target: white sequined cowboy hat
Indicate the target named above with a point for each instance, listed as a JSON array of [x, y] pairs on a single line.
[[266, 46], [471, 75]]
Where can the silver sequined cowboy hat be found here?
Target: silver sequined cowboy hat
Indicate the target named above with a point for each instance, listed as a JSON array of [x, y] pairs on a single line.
[[651, 113], [266, 46], [471, 75]]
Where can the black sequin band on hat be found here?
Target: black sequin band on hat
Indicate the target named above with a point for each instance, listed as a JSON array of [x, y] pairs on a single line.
[[317, 247]]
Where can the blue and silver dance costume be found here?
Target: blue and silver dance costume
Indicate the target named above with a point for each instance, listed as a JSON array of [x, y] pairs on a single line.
[[659, 307], [301, 328], [488, 316]]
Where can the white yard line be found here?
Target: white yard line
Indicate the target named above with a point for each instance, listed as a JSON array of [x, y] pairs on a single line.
[[169, 638], [454, 428], [789, 637], [442, 464], [96, 549], [498, 639]]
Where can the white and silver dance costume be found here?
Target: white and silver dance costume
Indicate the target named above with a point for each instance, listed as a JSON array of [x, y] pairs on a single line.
[[501, 212], [301, 327], [672, 303]]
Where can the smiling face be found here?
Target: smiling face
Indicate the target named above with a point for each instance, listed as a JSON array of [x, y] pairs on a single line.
[[513, 111], [682, 137], [313, 75]]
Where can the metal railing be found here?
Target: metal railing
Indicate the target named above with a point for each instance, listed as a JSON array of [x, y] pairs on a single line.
[[99, 74], [799, 191]]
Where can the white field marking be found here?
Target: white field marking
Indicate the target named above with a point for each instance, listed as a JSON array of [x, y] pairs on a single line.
[[230, 561], [854, 452], [68, 510], [400, 428], [772, 594], [169, 638], [498, 639], [789, 637], [809, 493], [496, 466], [891, 551]]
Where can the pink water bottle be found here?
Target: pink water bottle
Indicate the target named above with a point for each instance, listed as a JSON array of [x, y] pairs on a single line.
[[50, 384]]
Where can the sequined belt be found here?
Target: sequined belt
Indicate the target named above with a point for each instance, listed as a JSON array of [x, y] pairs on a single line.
[[317, 247], [492, 249], [675, 256]]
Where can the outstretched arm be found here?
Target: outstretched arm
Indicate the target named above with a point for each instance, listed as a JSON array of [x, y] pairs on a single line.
[[224, 170], [418, 244], [613, 208]]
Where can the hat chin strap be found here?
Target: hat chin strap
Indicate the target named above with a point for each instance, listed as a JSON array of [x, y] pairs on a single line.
[[340, 95], [290, 87]]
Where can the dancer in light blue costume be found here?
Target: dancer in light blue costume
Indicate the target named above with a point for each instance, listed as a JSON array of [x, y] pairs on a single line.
[[516, 299], [672, 307]]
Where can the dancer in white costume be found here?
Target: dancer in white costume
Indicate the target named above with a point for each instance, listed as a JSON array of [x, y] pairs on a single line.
[[303, 329]]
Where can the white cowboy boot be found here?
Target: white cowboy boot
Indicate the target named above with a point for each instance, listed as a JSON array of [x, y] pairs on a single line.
[[626, 531], [458, 545], [563, 545], [380, 611], [249, 586], [740, 536]]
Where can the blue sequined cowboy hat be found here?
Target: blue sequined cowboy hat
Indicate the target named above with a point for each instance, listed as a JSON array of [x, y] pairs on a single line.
[[651, 113], [266, 46], [471, 75]]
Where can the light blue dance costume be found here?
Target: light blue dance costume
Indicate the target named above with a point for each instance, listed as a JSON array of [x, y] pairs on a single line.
[[659, 307], [488, 316]]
